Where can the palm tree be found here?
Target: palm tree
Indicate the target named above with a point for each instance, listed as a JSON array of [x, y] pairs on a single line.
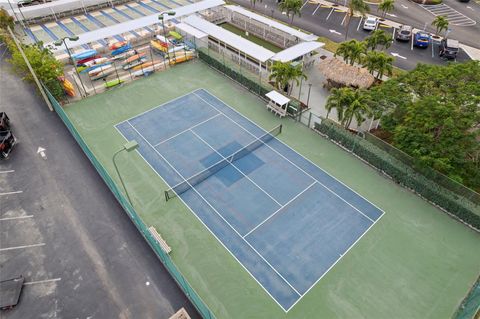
[[358, 108], [355, 6], [295, 74], [291, 7], [351, 51], [378, 37], [378, 62], [349, 103], [386, 6], [441, 23], [283, 73]]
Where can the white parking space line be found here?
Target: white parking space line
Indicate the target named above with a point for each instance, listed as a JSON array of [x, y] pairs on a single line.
[[15, 218], [454, 17], [304, 4], [21, 247], [331, 11], [344, 18], [359, 23], [11, 193], [42, 281], [6, 172], [314, 11]]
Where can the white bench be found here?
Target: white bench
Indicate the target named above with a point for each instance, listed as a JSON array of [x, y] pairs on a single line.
[[278, 110], [160, 240]]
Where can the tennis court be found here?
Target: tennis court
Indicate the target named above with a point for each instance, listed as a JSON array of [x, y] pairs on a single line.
[[284, 219]]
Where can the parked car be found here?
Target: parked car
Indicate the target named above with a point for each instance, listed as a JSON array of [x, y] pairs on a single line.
[[449, 49], [370, 24], [7, 139], [404, 33], [421, 39]]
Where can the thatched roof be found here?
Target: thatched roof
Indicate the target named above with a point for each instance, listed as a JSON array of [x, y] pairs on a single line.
[[339, 73]]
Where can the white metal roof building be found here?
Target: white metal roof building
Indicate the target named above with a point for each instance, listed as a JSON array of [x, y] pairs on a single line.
[[272, 23], [120, 28]]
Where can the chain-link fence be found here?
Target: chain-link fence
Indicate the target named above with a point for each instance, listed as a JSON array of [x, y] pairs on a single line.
[[162, 255], [470, 306]]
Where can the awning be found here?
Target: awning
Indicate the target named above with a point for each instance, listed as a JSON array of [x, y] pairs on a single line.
[[297, 51], [243, 45], [277, 98]]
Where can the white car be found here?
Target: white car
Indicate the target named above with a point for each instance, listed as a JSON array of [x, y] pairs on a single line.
[[370, 24]]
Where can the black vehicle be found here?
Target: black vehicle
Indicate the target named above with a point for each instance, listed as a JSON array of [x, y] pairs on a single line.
[[7, 139], [449, 49]]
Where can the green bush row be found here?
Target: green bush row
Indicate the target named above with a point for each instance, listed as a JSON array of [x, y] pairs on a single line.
[[250, 84], [403, 174]]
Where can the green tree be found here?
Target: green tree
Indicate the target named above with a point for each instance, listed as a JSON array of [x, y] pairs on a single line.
[[352, 51], [378, 37], [386, 6], [378, 62], [355, 6], [285, 74], [350, 104], [6, 20], [432, 113], [440, 23], [291, 7]]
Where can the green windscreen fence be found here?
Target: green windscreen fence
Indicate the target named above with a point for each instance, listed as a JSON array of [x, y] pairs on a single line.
[[470, 307], [164, 257], [464, 208]]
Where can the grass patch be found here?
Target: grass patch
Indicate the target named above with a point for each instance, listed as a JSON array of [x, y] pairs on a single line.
[[267, 45], [330, 45]]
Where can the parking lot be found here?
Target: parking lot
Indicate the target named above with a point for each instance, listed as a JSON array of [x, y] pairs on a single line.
[[330, 21], [64, 232], [454, 17]]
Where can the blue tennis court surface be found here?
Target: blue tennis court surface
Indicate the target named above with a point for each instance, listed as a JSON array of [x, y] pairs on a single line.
[[284, 219]]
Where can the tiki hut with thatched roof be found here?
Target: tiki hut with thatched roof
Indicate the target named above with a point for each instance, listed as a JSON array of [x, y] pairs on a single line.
[[339, 74]]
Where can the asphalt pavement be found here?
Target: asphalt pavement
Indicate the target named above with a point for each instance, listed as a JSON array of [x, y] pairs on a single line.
[[330, 23], [62, 229]]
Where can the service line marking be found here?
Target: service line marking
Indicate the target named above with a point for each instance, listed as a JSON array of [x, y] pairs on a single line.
[[46, 281], [11, 193], [14, 218], [21, 247]]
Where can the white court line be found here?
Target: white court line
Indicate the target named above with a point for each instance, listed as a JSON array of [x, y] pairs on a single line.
[[21, 247], [188, 129], [278, 210], [336, 261], [208, 203], [11, 193], [9, 171], [46, 281], [208, 229], [14, 218], [261, 285], [153, 108], [234, 166], [288, 160], [306, 159]]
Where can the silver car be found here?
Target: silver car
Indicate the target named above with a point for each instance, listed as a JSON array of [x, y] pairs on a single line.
[[404, 33]]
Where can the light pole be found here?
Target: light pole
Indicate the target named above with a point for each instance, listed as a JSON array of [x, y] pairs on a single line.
[[308, 97], [15, 15], [161, 17], [61, 41], [20, 5], [130, 146]]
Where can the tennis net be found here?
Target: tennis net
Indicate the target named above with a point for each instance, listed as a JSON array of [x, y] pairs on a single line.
[[213, 169]]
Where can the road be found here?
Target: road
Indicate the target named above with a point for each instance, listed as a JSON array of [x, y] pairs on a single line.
[[327, 22], [62, 229]]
